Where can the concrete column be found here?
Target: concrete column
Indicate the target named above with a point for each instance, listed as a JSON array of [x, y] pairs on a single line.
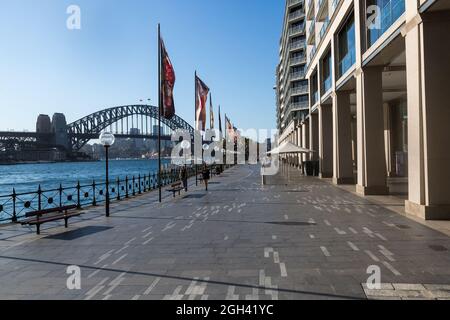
[[305, 139], [300, 144], [314, 136], [326, 141], [342, 139], [297, 143], [428, 76], [370, 128], [388, 141]]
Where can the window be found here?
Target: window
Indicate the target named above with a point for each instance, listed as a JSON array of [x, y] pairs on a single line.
[[314, 90], [346, 44], [390, 11], [326, 72]]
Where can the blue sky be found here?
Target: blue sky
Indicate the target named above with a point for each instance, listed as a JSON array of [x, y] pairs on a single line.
[[112, 60]]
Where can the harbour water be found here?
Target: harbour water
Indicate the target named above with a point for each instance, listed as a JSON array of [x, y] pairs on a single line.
[[27, 177]]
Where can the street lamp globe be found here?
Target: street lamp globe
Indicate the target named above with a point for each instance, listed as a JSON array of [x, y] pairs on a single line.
[[107, 139], [206, 147], [185, 144]]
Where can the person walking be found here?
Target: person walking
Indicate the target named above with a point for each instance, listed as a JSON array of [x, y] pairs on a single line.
[[206, 176], [184, 178]]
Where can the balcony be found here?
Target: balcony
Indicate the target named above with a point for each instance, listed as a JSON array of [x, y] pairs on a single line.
[[312, 33], [310, 14], [296, 15], [322, 11], [299, 30], [297, 45], [298, 60], [296, 106], [297, 76], [293, 2], [334, 6], [299, 91], [324, 29]]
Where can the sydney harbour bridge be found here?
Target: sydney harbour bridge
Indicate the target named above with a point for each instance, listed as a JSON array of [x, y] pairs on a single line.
[[132, 121]]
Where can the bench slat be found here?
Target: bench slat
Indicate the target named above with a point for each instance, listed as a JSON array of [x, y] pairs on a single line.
[[53, 218], [51, 210]]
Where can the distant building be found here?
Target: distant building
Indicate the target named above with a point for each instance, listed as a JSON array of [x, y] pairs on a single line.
[[292, 87], [43, 124], [59, 129]]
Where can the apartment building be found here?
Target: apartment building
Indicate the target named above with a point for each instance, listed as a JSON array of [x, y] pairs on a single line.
[[379, 116], [292, 87]]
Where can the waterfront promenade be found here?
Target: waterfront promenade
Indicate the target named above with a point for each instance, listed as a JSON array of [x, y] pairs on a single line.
[[305, 239]]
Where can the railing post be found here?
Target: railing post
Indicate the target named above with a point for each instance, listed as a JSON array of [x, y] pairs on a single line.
[[60, 195], [39, 198], [14, 196], [134, 182], [118, 189], [94, 200], [78, 195], [126, 187], [139, 181]]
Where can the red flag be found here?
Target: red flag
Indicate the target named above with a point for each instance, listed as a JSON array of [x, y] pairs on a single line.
[[229, 129], [167, 83], [201, 96]]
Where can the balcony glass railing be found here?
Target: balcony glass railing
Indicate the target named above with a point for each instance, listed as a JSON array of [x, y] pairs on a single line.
[[312, 28], [347, 62], [297, 29], [324, 29], [390, 12], [297, 45], [296, 14], [327, 85], [299, 90], [298, 60], [315, 97], [297, 75]]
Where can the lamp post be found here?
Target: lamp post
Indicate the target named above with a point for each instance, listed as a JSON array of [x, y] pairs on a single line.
[[186, 146], [107, 140]]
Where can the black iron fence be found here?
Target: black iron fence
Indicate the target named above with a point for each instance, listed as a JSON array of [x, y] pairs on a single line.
[[14, 206]]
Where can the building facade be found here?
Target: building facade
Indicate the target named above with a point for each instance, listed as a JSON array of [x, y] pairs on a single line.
[[292, 87], [379, 112]]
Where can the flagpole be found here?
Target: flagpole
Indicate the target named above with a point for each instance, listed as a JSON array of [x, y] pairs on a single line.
[[195, 124], [159, 113]]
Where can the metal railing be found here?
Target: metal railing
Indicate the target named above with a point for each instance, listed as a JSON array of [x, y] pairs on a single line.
[[299, 90], [13, 207], [293, 2], [298, 29], [297, 75], [297, 45], [297, 60], [296, 14]]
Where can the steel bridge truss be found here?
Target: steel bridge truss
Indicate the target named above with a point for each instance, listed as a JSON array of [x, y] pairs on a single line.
[[81, 131]]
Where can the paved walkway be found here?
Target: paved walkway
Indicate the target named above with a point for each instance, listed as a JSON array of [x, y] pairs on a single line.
[[302, 240]]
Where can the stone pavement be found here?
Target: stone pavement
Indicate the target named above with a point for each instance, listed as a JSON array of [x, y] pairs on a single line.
[[305, 239]]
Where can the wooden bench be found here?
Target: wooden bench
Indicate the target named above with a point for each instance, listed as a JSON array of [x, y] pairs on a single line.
[[176, 187], [36, 218]]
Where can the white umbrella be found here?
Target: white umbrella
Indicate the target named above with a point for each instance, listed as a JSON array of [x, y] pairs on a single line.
[[289, 147]]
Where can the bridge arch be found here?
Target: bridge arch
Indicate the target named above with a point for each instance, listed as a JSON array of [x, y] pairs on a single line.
[[81, 131]]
